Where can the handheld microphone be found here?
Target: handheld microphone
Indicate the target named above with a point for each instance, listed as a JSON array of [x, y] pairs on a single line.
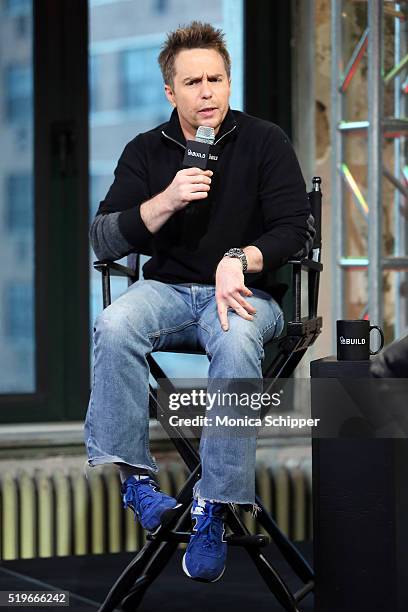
[[201, 152], [205, 134]]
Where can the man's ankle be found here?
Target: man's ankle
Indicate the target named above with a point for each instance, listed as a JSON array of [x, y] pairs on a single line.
[[125, 471]]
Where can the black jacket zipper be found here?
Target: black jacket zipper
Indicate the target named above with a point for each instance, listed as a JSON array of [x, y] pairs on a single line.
[[215, 143]]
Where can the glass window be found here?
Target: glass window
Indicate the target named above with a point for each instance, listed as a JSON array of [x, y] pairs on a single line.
[[161, 6], [16, 8], [18, 203], [18, 92], [17, 313], [141, 83], [93, 82], [17, 351]]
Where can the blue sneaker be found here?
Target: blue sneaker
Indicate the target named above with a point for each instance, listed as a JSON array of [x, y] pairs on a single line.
[[206, 552], [146, 500]]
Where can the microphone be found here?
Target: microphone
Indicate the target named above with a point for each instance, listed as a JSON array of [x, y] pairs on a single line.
[[201, 152], [205, 134]]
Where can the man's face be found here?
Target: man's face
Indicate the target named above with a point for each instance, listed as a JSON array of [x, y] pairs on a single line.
[[201, 89]]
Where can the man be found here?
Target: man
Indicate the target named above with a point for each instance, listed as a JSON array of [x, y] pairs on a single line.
[[212, 237], [392, 362]]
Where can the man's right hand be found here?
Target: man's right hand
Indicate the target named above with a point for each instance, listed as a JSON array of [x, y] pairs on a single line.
[[188, 185]]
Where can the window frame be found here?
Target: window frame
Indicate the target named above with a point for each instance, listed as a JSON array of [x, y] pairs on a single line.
[[60, 168]]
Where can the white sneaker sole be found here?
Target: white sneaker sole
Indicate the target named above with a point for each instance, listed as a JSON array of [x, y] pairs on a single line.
[[185, 570]]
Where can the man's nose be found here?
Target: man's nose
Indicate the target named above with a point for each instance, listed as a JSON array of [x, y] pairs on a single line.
[[206, 91]]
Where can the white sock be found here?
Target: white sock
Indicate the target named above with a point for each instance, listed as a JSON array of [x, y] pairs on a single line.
[[201, 501], [127, 470]]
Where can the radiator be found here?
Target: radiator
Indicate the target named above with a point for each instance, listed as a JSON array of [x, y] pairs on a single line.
[[44, 515]]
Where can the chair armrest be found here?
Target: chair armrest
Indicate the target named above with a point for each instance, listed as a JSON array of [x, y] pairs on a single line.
[[115, 269], [108, 268], [307, 264]]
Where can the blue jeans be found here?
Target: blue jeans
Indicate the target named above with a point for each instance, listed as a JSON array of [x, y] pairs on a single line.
[[152, 316]]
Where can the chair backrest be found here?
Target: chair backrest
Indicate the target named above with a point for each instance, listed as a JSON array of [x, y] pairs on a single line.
[[282, 281], [315, 199]]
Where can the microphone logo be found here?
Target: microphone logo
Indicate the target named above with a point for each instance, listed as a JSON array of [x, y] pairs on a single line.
[[195, 154], [201, 152]]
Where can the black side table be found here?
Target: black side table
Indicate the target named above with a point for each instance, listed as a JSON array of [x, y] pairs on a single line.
[[360, 506]]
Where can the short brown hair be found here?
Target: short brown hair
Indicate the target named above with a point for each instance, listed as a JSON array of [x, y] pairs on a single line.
[[197, 35]]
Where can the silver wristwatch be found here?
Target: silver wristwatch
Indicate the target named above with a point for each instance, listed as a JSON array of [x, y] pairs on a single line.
[[238, 254]]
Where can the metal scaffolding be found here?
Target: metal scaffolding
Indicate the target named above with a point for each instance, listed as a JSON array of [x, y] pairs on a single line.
[[366, 197]]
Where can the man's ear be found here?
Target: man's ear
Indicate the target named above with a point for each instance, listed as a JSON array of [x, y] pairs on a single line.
[[169, 94]]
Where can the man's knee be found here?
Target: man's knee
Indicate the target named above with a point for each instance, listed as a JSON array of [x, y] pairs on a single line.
[[116, 326], [111, 320], [242, 338]]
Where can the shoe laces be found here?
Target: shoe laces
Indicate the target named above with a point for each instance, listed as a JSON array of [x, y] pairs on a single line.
[[139, 492], [209, 528]]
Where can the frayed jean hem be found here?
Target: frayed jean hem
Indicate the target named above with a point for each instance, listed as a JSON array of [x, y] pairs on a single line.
[[254, 507], [92, 462]]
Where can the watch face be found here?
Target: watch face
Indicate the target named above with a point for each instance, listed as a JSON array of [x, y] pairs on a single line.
[[236, 253]]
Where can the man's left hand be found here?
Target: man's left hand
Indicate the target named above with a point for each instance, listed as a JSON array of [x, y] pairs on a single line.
[[230, 291]]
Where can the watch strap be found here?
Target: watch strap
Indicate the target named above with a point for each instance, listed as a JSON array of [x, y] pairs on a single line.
[[238, 254]]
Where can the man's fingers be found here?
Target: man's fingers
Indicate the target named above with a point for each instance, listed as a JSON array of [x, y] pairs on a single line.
[[201, 178], [248, 307], [240, 310], [194, 171], [243, 308], [247, 292], [222, 309], [191, 171], [199, 187], [197, 195]]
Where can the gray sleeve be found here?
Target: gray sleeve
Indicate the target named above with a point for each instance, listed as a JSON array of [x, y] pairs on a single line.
[[106, 239]]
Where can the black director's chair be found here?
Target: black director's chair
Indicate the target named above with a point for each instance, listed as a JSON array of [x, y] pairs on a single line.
[[281, 358]]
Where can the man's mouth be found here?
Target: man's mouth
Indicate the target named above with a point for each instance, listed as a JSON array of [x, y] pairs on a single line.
[[207, 111]]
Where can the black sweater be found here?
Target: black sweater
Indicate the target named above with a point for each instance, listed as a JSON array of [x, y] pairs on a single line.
[[257, 197]]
